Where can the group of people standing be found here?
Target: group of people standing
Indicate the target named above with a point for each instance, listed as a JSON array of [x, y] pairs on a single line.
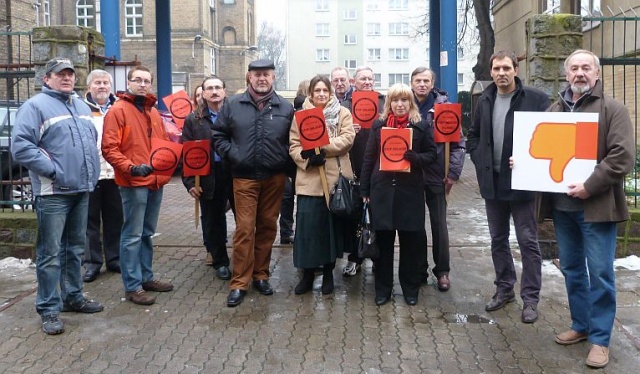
[[91, 162]]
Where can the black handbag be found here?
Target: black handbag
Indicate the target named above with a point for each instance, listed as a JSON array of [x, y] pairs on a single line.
[[341, 200], [367, 244]]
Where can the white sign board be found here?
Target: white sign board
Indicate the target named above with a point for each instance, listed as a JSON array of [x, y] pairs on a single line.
[[552, 150]]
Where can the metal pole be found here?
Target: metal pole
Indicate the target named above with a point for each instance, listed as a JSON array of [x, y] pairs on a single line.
[[449, 48], [163, 50], [110, 28], [434, 38]]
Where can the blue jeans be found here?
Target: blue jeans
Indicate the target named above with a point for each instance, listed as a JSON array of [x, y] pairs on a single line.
[[140, 208], [587, 251], [62, 227]]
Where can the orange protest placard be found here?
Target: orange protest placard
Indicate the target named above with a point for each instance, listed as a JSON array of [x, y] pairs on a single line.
[[196, 157], [165, 156], [179, 105], [364, 108], [393, 144], [447, 122], [312, 128]]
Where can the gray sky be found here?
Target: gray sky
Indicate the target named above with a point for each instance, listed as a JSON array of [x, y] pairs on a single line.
[[271, 11]]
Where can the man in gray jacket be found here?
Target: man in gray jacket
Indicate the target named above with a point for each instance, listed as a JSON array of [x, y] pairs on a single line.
[[55, 139]]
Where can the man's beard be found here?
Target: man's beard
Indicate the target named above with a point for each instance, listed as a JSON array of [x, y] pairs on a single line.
[[582, 89]]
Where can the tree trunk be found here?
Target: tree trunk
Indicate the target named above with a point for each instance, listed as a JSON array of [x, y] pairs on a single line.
[[482, 69]]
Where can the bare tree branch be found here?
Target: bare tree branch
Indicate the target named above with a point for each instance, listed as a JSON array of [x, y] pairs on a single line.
[[271, 44]]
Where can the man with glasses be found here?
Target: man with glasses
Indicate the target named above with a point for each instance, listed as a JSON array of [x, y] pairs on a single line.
[[342, 84], [55, 139], [129, 126]]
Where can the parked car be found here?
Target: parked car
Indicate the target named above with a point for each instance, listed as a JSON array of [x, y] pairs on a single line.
[[15, 184]]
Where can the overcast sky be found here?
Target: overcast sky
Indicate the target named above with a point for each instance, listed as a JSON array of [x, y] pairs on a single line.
[[271, 11]]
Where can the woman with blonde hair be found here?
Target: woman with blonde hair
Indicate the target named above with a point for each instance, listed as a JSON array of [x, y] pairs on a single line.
[[397, 198], [320, 236]]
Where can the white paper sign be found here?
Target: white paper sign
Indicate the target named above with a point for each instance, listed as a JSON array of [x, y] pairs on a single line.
[[552, 150]]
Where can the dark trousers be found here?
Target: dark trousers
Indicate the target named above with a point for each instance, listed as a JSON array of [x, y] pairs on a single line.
[[524, 220], [411, 262], [105, 206], [214, 218], [286, 210], [437, 205]]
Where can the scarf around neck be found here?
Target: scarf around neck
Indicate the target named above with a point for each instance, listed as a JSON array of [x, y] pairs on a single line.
[[331, 113], [260, 99], [398, 122]]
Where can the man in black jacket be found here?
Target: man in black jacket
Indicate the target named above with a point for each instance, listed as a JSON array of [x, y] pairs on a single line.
[[490, 144], [252, 133]]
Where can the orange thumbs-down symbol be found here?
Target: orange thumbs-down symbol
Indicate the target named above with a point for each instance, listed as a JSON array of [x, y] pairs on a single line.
[[561, 142]]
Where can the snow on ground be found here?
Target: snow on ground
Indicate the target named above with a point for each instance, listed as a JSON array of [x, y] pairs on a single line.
[[15, 263]]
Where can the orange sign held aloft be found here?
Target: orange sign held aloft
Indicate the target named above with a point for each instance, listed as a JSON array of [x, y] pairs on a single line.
[[196, 157], [312, 128], [179, 105], [393, 145], [364, 107], [165, 156], [447, 123], [580, 141]]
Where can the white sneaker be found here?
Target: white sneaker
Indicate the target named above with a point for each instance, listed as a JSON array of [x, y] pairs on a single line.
[[351, 269]]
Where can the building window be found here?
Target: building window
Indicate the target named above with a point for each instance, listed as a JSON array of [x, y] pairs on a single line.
[[349, 14], [85, 13], [212, 55], [322, 5], [322, 55], [212, 4], [46, 13], [228, 1], [377, 80], [350, 64], [133, 17], [350, 39], [398, 28], [460, 79], [398, 78], [373, 5], [398, 4], [460, 53], [373, 54], [398, 54], [322, 29], [373, 29]]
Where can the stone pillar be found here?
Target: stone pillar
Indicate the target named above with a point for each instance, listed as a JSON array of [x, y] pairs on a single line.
[[79, 44], [550, 39]]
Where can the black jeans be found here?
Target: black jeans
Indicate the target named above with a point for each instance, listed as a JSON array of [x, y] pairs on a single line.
[[105, 206], [411, 262], [214, 218], [437, 205], [286, 210]]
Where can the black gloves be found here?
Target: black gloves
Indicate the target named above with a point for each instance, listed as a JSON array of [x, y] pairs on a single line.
[[317, 159], [413, 157], [141, 170], [308, 153]]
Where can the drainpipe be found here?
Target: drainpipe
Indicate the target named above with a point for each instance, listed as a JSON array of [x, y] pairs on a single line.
[[449, 48], [163, 50], [434, 39], [110, 28]]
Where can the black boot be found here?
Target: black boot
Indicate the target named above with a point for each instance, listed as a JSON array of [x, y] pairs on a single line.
[[327, 278], [306, 283]]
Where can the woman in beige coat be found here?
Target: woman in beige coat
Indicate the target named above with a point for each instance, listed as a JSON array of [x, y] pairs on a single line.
[[320, 236]]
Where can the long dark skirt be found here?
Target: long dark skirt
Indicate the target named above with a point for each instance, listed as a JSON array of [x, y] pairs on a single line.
[[320, 236]]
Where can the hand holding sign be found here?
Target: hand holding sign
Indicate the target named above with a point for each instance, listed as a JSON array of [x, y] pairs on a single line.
[[544, 144], [196, 157], [312, 128]]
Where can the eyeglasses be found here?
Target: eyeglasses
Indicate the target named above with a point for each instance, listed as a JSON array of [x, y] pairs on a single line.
[[343, 80], [140, 81], [211, 88]]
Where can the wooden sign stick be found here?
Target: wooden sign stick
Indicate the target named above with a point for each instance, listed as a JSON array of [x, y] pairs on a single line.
[[323, 177], [197, 206]]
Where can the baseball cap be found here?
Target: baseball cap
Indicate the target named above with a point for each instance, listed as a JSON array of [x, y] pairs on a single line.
[[261, 64], [56, 65]]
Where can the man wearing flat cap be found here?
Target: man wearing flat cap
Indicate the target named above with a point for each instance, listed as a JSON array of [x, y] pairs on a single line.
[[252, 134], [54, 137]]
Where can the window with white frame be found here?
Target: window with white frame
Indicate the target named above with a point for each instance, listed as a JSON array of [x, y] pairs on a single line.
[[212, 55], [398, 28], [322, 55], [398, 54], [228, 1], [133, 17], [350, 39], [322, 5], [373, 28], [460, 53], [398, 4], [373, 54], [460, 79], [349, 14], [46, 13], [85, 13], [398, 78], [212, 4], [373, 5], [377, 80], [350, 64], [322, 29]]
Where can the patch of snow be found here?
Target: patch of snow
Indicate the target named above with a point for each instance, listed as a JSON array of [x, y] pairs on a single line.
[[631, 263], [15, 263]]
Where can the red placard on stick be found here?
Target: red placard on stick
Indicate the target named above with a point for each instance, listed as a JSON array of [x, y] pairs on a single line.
[[179, 105], [165, 156], [364, 107], [393, 144], [196, 157], [312, 128], [447, 122]]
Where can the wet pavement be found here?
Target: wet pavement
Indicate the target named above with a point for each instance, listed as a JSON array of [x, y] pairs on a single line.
[[190, 330]]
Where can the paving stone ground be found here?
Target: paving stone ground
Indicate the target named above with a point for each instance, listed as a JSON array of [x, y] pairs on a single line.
[[190, 330]]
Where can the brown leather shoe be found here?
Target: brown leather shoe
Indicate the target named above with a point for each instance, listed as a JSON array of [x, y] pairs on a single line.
[[443, 282], [598, 356], [140, 297], [157, 286], [570, 337]]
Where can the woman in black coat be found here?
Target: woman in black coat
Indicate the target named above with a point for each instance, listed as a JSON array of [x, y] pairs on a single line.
[[397, 198]]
